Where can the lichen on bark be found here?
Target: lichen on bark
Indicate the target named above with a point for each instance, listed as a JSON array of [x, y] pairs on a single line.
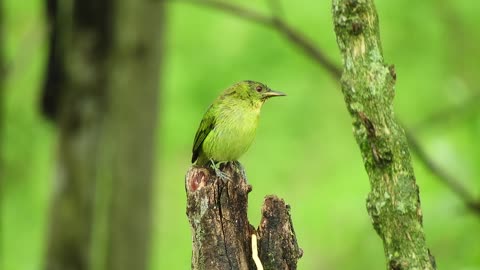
[[368, 86]]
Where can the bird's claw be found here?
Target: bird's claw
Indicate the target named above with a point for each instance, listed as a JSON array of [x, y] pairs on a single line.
[[216, 167], [225, 177]]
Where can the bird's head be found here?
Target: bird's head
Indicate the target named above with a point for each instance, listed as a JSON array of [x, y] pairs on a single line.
[[252, 91]]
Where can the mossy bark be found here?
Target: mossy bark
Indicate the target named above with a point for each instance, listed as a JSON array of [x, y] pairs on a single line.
[[102, 92], [222, 234], [368, 85]]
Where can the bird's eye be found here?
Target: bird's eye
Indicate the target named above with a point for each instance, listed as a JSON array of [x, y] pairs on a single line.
[[259, 89]]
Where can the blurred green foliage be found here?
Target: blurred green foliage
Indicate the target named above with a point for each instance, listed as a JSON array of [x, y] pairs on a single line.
[[304, 150]]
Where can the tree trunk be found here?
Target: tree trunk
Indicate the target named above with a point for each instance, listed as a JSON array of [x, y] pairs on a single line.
[[222, 234], [368, 87], [102, 91]]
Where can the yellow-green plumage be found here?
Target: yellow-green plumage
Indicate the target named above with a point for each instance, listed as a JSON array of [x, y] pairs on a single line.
[[228, 127]]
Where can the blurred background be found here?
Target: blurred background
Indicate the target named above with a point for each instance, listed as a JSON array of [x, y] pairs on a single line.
[[304, 150]]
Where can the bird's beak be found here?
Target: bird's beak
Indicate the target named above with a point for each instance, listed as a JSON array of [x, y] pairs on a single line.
[[272, 93]]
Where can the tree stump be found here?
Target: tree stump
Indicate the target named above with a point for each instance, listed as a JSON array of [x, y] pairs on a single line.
[[222, 234]]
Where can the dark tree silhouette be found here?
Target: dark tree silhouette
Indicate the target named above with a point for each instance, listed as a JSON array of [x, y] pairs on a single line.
[[101, 91]]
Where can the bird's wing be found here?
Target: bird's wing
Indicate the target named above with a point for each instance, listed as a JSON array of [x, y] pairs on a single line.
[[207, 125]]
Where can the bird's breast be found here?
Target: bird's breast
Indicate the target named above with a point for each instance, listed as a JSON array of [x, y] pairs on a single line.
[[233, 134]]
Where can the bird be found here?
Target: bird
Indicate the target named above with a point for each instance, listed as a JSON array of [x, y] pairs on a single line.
[[229, 125]]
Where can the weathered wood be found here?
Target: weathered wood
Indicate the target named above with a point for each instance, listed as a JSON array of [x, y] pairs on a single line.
[[368, 85], [278, 247], [217, 212]]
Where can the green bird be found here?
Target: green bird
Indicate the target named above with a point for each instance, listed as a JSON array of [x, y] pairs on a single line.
[[228, 127]]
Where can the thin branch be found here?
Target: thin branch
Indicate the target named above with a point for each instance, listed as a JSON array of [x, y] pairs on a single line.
[[466, 107], [233, 9], [310, 49], [276, 8], [280, 26], [449, 180]]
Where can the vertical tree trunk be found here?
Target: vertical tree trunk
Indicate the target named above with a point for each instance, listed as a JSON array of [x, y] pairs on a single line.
[[222, 234], [102, 91], [368, 87]]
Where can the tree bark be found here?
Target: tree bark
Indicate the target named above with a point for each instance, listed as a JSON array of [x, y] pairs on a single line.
[[368, 87], [102, 91], [278, 247], [222, 234]]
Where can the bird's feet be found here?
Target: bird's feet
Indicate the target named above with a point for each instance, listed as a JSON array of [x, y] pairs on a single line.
[[216, 167], [225, 177]]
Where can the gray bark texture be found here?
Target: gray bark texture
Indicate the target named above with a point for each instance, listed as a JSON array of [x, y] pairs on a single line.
[[368, 85], [222, 234], [101, 90]]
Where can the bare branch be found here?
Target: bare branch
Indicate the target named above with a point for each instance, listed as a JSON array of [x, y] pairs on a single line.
[[295, 37], [233, 9], [310, 49], [450, 181], [456, 111], [276, 8]]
